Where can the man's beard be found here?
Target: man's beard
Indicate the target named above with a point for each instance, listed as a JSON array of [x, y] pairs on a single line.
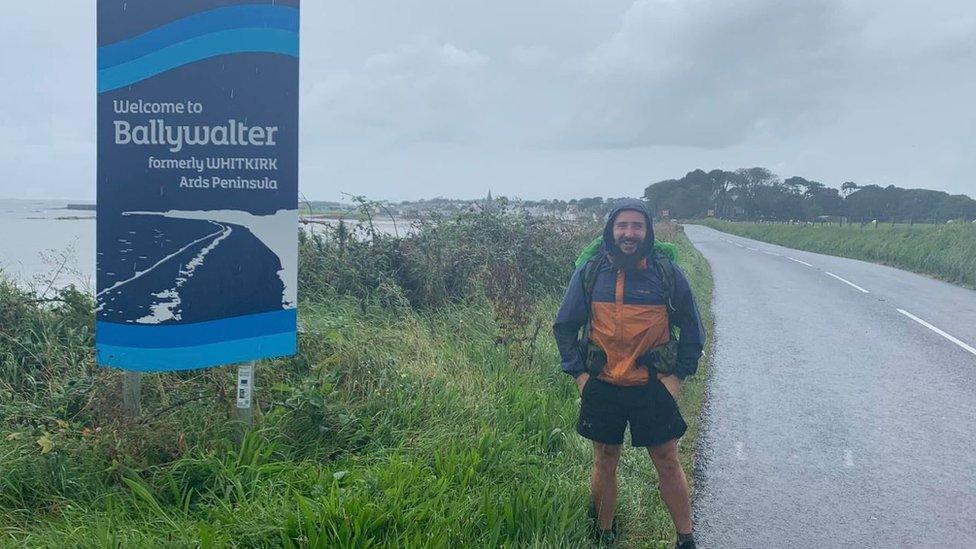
[[625, 260]]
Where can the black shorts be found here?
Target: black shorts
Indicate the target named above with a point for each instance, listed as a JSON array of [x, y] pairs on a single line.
[[650, 409]]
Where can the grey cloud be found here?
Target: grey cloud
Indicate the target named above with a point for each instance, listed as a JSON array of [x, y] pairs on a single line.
[[530, 56], [564, 98], [420, 91], [709, 74]]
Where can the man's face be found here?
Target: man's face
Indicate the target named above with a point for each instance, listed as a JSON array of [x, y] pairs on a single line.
[[629, 230]]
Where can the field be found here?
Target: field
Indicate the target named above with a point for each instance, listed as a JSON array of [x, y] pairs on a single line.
[[426, 408], [947, 251]]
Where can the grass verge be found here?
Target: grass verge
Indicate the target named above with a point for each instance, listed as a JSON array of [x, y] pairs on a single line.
[[947, 252]]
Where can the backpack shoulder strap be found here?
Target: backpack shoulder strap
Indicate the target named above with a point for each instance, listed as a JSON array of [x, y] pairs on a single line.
[[665, 269], [590, 270]]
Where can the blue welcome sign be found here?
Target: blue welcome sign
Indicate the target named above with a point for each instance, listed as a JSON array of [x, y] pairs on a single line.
[[197, 182]]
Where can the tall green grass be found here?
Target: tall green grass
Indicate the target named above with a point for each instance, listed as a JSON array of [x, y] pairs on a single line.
[[403, 431], [944, 251], [395, 426]]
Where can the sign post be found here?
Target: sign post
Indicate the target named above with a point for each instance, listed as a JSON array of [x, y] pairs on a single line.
[[132, 394], [197, 235]]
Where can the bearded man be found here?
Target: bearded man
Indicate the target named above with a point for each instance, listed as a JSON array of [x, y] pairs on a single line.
[[628, 364]]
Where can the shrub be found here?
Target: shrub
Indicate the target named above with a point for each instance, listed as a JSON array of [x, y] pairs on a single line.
[[441, 259]]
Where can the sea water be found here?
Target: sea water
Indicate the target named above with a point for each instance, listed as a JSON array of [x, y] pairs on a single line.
[[42, 243]]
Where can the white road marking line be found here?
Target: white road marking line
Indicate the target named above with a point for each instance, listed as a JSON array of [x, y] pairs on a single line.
[[798, 261], [848, 282], [753, 249], [848, 459], [739, 245], [739, 454], [770, 253], [938, 331]]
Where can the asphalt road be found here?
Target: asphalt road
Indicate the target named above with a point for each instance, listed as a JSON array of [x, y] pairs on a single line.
[[834, 418]]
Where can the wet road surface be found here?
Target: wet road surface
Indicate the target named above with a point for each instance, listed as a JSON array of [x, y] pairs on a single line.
[[842, 406]]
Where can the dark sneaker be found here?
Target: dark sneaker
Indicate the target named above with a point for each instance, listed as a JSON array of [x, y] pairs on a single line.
[[604, 538], [690, 544]]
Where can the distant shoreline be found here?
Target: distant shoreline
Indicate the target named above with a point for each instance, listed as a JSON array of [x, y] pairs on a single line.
[[63, 218], [83, 207]]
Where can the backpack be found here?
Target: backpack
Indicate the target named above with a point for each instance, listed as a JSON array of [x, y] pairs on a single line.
[[662, 358]]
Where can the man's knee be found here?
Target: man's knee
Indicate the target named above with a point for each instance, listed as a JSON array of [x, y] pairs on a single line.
[[606, 456], [665, 456]]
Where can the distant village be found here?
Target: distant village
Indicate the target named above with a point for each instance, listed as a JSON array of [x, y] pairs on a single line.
[[593, 208], [567, 210]]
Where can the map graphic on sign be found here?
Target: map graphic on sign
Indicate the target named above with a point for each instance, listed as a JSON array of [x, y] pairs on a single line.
[[197, 182]]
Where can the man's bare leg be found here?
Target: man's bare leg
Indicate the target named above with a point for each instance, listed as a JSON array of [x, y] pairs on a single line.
[[603, 482], [673, 485]]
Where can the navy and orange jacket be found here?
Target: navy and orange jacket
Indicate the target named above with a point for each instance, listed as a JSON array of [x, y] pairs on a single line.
[[628, 316]]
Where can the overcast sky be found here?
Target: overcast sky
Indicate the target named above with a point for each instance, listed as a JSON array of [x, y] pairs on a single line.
[[421, 98]]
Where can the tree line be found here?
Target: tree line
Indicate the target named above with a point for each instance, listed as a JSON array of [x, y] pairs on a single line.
[[758, 194]]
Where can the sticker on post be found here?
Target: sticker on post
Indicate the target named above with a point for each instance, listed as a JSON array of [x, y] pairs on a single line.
[[245, 379]]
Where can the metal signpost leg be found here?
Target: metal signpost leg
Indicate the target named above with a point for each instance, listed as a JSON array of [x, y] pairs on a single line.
[[132, 394]]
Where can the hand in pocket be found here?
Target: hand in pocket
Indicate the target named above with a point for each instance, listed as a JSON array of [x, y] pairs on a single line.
[[581, 382], [672, 383]]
